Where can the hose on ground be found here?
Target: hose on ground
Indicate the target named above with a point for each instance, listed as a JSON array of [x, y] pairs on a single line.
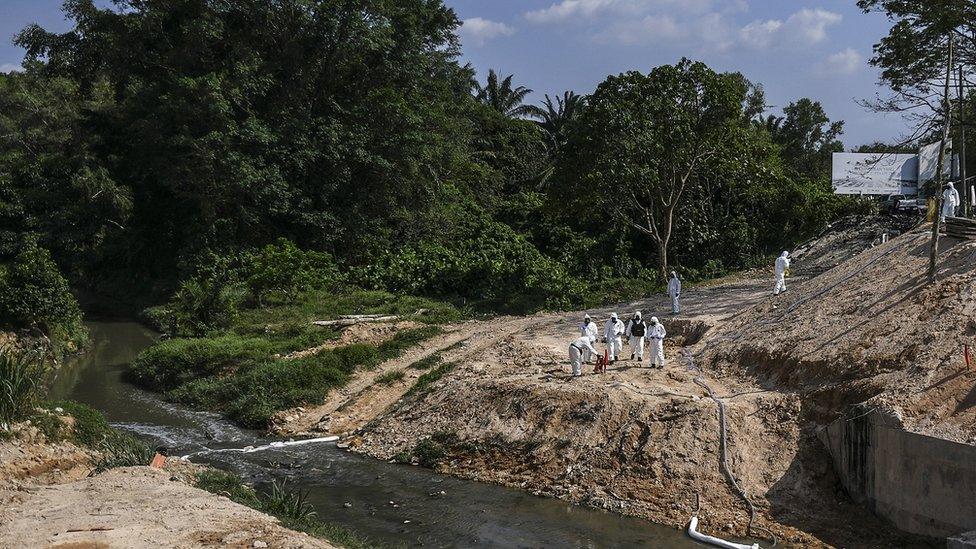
[[724, 456]]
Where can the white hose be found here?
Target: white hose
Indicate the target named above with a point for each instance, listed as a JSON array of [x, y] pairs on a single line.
[[272, 446], [694, 534]]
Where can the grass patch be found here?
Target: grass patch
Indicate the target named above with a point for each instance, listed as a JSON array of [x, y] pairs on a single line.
[[427, 362], [21, 382], [290, 507], [391, 378], [429, 453], [425, 381], [241, 372], [82, 425]]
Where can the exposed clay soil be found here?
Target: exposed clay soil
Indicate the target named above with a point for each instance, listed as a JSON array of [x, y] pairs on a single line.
[[48, 499], [845, 239], [637, 441], [872, 330]]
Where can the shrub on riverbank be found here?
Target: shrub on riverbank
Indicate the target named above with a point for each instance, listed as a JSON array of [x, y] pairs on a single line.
[[84, 426], [21, 381], [35, 296]]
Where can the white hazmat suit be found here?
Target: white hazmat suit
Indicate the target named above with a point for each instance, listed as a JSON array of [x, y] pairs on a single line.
[[656, 334], [636, 332], [589, 329], [674, 290], [612, 331], [782, 264], [950, 202], [576, 350]]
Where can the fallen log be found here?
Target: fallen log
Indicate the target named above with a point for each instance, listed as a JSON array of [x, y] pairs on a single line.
[[342, 322]]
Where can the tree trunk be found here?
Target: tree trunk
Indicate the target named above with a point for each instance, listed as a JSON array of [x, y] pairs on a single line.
[[939, 175], [662, 259]]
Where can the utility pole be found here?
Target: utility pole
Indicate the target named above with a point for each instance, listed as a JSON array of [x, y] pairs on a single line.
[[940, 172], [962, 145]]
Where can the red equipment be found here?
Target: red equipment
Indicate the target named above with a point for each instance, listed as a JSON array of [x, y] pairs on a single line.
[[602, 362]]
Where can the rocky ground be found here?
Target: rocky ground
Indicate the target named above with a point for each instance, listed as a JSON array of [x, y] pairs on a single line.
[[49, 499]]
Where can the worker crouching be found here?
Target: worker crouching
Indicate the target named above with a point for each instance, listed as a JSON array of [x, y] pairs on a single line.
[[576, 350]]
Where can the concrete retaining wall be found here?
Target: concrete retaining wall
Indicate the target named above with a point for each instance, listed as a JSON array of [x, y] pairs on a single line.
[[923, 485]]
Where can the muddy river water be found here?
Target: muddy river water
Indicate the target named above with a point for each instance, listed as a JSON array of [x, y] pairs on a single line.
[[346, 488]]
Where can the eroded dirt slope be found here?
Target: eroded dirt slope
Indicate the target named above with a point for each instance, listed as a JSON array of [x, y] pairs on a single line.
[[872, 330]]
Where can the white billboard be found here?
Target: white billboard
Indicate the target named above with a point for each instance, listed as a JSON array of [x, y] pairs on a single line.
[[928, 161], [875, 173]]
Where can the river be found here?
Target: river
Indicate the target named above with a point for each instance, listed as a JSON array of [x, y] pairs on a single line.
[[345, 488]]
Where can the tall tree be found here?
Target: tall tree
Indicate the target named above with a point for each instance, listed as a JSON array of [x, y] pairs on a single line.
[[807, 137], [502, 96], [554, 117], [649, 137], [929, 43]]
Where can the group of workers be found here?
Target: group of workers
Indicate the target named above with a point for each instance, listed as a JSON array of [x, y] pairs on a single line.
[[637, 332]]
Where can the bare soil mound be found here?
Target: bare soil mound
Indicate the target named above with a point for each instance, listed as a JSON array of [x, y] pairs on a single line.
[[137, 507], [871, 330], [845, 239]]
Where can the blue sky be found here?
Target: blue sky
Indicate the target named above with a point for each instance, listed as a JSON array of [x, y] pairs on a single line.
[[795, 48]]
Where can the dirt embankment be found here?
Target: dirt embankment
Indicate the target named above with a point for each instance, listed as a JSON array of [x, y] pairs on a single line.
[[871, 331], [48, 499], [637, 441]]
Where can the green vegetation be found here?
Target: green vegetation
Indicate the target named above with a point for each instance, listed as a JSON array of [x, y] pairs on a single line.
[[84, 426], [256, 184], [429, 453], [425, 381], [21, 382], [427, 362], [291, 508], [35, 296], [242, 370], [391, 378]]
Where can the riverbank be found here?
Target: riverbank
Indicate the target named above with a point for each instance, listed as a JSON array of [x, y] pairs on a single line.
[[50, 494]]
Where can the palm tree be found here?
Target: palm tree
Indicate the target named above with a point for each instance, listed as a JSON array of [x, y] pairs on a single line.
[[502, 96], [556, 116]]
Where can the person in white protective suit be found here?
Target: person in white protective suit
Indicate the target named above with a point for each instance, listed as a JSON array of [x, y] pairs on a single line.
[[576, 349], [950, 202], [612, 332], [636, 331], [589, 329], [674, 290], [656, 334], [782, 264]]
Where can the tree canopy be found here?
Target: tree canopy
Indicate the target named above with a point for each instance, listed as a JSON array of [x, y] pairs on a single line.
[[156, 140]]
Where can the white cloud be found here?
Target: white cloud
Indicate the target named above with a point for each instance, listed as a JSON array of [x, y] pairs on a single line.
[[574, 10], [843, 62], [10, 67], [806, 27], [478, 31]]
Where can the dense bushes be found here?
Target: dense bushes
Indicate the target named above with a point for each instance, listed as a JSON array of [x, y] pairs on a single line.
[[34, 294], [283, 269], [486, 262]]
